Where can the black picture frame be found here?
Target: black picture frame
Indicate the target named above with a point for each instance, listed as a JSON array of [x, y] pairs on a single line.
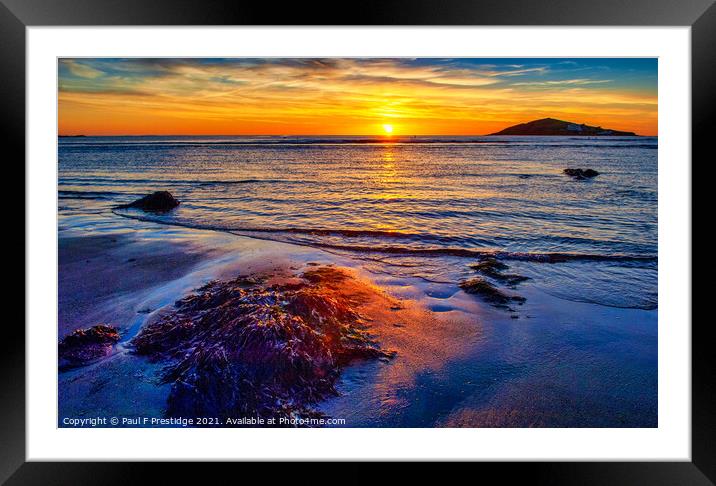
[[700, 15]]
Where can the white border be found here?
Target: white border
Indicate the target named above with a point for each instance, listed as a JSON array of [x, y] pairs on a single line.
[[671, 441]]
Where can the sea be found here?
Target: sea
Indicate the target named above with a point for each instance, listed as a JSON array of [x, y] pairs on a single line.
[[423, 207]]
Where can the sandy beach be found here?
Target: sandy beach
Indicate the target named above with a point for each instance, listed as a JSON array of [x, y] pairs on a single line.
[[458, 361]]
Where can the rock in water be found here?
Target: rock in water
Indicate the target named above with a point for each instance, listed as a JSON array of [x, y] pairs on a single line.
[[159, 201], [581, 173], [493, 268], [489, 292], [85, 345]]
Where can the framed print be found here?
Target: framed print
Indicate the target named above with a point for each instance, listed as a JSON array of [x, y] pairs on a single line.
[[425, 235]]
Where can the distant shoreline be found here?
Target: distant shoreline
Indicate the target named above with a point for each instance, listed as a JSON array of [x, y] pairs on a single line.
[[556, 128]]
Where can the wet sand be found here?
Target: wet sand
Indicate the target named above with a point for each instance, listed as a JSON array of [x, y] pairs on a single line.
[[104, 278], [459, 361]]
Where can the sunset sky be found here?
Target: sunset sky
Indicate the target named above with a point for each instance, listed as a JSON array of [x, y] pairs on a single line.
[[350, 96]]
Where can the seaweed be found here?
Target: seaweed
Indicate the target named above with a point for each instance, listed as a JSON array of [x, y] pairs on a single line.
[[243, 348], [86, 345], [494, 269], [489, 292]]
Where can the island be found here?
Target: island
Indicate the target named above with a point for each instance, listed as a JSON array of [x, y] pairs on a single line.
[[552, 126]]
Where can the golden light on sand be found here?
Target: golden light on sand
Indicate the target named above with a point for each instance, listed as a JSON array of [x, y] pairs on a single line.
[[388, 129]]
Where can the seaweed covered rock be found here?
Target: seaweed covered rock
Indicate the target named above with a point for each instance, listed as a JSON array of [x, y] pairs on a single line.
[[489, 292], [160, 201], [244, 348], [491, 267], [85, 345], [494, 268], [581, 173]]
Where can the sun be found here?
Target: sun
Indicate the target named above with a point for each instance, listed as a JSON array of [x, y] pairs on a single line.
[[388, 129]]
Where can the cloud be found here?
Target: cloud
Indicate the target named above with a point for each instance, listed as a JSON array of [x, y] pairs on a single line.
[[313, 92], [520, 72], [563, 82], [81, 70]]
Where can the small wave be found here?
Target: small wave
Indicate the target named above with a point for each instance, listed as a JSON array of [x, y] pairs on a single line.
[[651, 302], [303, 231], [242, 181], [539, 257], [332, 232], [547, 257], [94, 181], [63, 194]]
